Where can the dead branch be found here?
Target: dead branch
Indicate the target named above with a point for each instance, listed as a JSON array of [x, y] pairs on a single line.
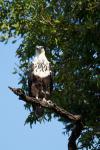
[[60, 111]]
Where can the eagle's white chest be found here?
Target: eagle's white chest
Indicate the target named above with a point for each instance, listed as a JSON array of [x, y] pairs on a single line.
[[41, 66]]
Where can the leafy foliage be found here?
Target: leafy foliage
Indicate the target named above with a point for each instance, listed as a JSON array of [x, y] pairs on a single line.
[[70, 31]]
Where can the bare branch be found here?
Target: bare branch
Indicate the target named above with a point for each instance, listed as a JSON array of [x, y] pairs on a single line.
[[60, 111], [45, 103]]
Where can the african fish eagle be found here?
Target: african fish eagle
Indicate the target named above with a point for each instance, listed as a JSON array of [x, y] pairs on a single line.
[[40, 78]]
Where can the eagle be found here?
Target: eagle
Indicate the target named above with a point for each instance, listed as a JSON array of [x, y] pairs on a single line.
[[40, 83]]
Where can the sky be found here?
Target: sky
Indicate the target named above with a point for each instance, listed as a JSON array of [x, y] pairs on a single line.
[[14, 135]]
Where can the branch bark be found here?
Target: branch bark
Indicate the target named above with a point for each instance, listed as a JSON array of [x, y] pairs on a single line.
[[60, 111]]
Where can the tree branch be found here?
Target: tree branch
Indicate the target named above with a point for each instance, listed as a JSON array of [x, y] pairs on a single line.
[[52, 106]]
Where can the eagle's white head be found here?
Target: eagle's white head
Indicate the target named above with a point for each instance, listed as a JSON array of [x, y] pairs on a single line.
[[41, 63], [39, 50]]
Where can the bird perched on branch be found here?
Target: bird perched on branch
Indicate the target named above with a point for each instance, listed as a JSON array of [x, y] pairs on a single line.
[[40, 78]]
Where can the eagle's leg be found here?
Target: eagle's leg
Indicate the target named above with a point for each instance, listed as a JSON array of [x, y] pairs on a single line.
[[37, 97], [45, 93]]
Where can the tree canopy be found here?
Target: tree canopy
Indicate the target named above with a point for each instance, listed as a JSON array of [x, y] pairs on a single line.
[[70, 32]]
